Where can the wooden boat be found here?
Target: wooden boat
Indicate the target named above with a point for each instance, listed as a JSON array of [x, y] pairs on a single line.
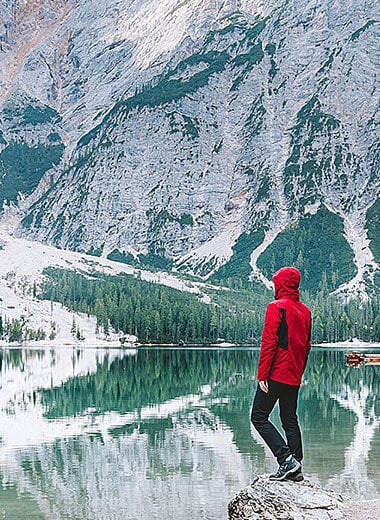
[[358, 359]]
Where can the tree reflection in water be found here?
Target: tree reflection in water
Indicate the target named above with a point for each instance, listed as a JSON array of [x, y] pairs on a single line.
[[168, 429]]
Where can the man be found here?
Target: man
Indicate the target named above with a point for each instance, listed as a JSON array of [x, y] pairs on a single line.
[[285, 346]]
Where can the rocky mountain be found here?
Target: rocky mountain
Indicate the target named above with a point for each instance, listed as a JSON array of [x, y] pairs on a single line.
[[218, 138]]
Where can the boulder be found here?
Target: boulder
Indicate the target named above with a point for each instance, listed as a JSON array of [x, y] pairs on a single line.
[[287, 500]]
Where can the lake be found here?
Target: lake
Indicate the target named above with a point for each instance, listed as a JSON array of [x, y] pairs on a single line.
[[165, 433]]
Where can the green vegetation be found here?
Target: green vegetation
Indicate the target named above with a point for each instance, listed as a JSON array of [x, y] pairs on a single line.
[[27, 221], [252, 57], [252, 52], [75, 239], [30, 114], [159, 219], [316, 246], [18, 330], [161, 314], [218, 146], [159, 375], [54, 137], [273, 69], [312, 123], [150, 260], [236, 21], [230, 28], [95, 251], [255, 118], [314, 119], [152, 376], [312, 116], [253, 32], [327, 65], [334, 321], [357, 33], [154, 261], [35, 115], [270, 48], [118, 256], [238, 268], [36, 210], [179, 6], [155, 313], [372, 224], [188, 126], [191, 127], [265, 184], [167, 90], [59, 225], [236, 18], [21, 167], [246, 61]]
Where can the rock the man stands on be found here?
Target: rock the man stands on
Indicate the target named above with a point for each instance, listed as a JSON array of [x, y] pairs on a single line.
[[285, 346]]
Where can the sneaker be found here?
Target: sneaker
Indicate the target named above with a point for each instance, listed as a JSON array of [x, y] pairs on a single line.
[[297, 476], [291, 465]]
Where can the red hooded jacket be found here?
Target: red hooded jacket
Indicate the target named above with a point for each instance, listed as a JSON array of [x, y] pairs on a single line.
[[286, 338]]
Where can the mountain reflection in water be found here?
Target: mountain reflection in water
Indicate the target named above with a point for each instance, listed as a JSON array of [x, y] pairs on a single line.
[[129, 434]]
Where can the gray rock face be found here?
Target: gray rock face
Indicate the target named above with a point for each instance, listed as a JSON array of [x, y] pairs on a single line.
[[185, 121], [266, 500]]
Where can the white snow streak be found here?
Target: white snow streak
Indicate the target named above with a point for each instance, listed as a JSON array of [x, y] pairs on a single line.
[[21, 265], [356, 235], [219, 249]]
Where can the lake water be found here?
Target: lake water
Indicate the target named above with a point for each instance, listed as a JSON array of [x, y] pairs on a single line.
[[165, 433]]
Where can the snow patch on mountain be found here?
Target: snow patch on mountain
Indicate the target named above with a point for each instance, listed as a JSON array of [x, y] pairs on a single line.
[[356, 235], [210, 256], [21, 271], [257, 274], [169, 111], [312, 209]]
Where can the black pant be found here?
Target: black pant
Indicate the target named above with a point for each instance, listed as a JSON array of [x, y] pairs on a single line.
[[263, 404]]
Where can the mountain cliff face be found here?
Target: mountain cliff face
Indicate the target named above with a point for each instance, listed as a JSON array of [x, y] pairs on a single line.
[[221, 138]]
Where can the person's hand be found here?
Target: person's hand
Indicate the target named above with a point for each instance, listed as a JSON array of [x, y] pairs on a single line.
[[264, 386]]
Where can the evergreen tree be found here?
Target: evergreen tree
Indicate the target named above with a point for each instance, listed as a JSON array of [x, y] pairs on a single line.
[[161, 314]]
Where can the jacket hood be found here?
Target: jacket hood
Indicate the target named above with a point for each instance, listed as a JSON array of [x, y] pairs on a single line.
[[286, 283]]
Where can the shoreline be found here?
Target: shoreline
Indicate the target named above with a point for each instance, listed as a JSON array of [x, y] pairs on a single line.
[[113, 343]]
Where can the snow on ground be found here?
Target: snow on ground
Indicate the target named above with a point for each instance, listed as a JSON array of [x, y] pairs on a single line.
[[354, 344], [356, 235], [270, 235], [217, 251], [21, 264]]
